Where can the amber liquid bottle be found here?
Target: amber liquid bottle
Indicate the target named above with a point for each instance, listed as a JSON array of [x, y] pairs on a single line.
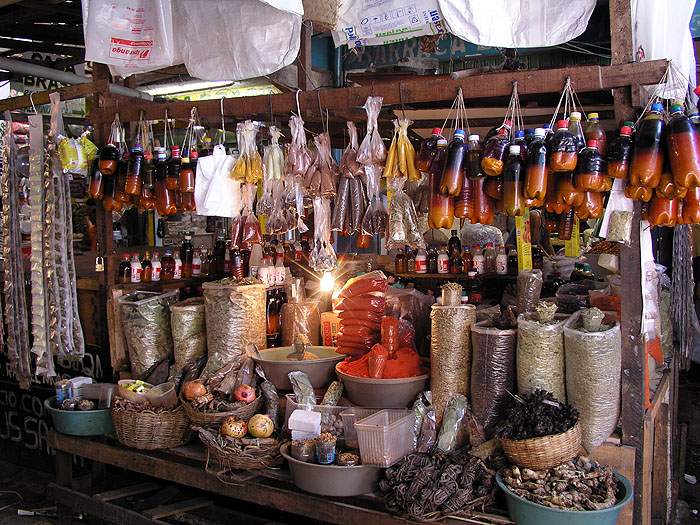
[[594, 131], [495, 151], [452, 173], [125, 270], [464, 203], [147, 201], [165, 198], [473, 160], [662, 211], [96, 182], [648, 157], [109, 158], [566, 224], [691, 206], [551, 201], [484, 206], [563, 149], [109, 203], [172, 179], [186, 255], [428, 149], [441, 212], [132, 185], [536, 171], [120, 183], [683, 146], [619, 154], [567, 192], [590, 168], [513, 201], [592, 206]]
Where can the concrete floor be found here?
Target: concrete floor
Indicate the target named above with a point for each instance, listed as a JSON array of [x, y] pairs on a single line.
[[31, 485]]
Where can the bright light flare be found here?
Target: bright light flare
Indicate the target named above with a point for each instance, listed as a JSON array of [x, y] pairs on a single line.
[[327, 282]]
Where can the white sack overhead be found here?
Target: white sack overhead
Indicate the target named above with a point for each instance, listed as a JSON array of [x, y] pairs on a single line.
[[517, 23]]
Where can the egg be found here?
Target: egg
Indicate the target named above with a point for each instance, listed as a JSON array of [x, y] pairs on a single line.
[[233, 427]]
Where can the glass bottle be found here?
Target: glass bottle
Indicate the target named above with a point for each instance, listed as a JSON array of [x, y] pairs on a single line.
[[501, 261], [410, 260], [467, 260], [513, 262], [473, 161], [236, 263], [136, 269], [536, 170], [196, 264], [187, 254], [566, 224], [563, 149], [443, 261], [219, 254], [428, 148], [155, 268], [474, 288], [125, 270], [618, 154], [245, 260], [577, 274], [594, 131], [227, 258], [484, 207], [455, 262], [454, 243], [146, 269], [567, 192], [495, 151], [576, 130], [177, 271], [479, 259], [590, 168], [132, 185], [683, 147], [172, 179], [513, 201], [464, 203], [537, 258], [400, 261], [96, 182], [421, 261], [432, 260], [648, 156], [441, 208], [489, 258], [204, 255], [109, 158], [452, 172], [109, 203]]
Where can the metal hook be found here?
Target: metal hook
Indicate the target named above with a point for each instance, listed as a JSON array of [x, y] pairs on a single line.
[[32, 102], [298, 107]]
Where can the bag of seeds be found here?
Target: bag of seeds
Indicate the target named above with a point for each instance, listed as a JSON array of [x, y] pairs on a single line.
[[492, 372], [146, 322], [540, 355], [235, 317], [593, 357], [529, 289], [189, 331]]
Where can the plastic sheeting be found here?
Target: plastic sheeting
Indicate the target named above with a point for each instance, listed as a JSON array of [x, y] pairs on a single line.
[[517, 23], [216, 192], [225, 40]]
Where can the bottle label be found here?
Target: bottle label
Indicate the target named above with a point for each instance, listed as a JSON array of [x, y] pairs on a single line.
[[136, 275], [196, 270], [480, 264], [280, 275], [253, 271], [474, 297], [155, 273], [421, 266], [502, 265], [297, 255], [178, 272], [443, 265]]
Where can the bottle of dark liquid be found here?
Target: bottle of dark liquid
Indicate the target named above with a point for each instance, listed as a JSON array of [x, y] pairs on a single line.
[[186, 177], [563, 149], [519, 140], [577, 274], [165, 202], [96, 181], [467, 261], [537, 258], [513, 200], [133, 171], [109, 158], [473, 288], [536, 168], [464, 203], [473, 159], [441, 207], [452, 173], [400, 261], [428, 148], [125, 270], [648, 156], [566, 224], [245, 260], [167, 272], [146, 268], [227, 259], [590, 168], [410, 260], [186, 255], [595, 131], [432, 260], [204, 255], [172, 180], [148, 171], [619, 154], [455, 261], [495, 151], [219, 254], [236, 263], [683, 146], [512, 261], [576, 130]]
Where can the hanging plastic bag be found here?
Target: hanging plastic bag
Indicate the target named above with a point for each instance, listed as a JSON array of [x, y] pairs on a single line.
[[248, 166], [376, 217], [298, 157], [251, 233], [74, 155], [402, 229], [215, 192], [401, 158], [322, 257], [372, 150], [320, 178]]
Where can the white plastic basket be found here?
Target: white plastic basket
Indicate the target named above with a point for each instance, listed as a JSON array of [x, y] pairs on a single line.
[[385, 437]]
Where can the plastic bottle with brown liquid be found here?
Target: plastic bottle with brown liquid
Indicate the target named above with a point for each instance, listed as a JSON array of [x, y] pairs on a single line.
[[148, 171], [691, 206], [441, 211], [147, 201], [576, 129], [493, 187], [648, 156], [536, 170], [109, 158], [592, 206], [662, 211], [172, 179], [165, 199], [464, 203], [683, 147], [551, 201], [484, 206], [563, 149], [96, 181], [513, 200], [496, 151], [428, 149], [567, 192], [453, 172], [132, 186], [120, 183], [109, 202], [473, 160], [594, 131], [566, 224], [590, 168], [618, 154]]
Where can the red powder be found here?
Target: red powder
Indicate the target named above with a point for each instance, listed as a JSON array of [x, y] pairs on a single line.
[[406, 364]]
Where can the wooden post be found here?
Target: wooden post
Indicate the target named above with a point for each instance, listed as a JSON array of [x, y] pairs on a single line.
[[633, 351], [304, 60]]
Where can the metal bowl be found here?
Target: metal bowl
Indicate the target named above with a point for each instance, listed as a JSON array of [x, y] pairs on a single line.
[[320, 371], [382, 393]]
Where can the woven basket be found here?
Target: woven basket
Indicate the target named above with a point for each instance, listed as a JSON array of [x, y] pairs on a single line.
[[150, 430], [544, 452], [202, 419], [238, 457], [324, 12]]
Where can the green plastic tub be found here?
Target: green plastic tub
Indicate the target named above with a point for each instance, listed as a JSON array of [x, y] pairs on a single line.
[[79, 423], [524, 512]]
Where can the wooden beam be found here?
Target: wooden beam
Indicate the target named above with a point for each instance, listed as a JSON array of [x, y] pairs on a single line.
[[304, 59], [163, 511], [43, 47], [592, 78], [620, 458], [42, 97], [125, 492], [63, 34], [661, 472]]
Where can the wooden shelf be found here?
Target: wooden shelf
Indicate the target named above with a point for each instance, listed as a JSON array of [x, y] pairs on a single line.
[[453, 276]]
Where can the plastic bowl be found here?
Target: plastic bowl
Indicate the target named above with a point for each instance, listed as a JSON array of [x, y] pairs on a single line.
[[524, 512], [133, 396], [382, 393], [80, 423], [332, 480], [319, 371], [162, 395]]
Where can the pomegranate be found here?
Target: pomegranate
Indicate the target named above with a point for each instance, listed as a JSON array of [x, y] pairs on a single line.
[[261, 426], [194, 389], [245, 393], [234, 427]]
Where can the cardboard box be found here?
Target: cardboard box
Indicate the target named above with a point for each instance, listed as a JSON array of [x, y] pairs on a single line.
[[330, 323]]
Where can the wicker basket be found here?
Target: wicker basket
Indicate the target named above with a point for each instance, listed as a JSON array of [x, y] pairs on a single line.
[[245, 411], [544, 452], [151, 430], [238, 457], [325, 12]]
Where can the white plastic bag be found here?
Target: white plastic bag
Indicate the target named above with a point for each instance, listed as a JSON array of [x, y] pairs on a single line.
[[236, 40], [517, 23], [216, 193], [130, 36]]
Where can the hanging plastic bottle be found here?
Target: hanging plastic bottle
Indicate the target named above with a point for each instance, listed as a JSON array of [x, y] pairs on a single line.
[[519, 140], [109, 202], [428, 149], [464, 203], [496, 151], [452, 173], [639, 192], [147, 201], [186, 175], [648, 156], [363, 240], [120, 183], [551, 221], [662, 211], [563, 148], [594, 131], [567, 192], [132, 185], [484, 206], [551, 201], [441, 207], [691, 206], [683, 146], [592, 206], [165, 201], [96, 182], [618, 154], [148, 171], [513, 201], [109, 159], [576, 130], [493, 187], [473, 160], [566, 224], [536, 171], [172, 179], [590, 168]]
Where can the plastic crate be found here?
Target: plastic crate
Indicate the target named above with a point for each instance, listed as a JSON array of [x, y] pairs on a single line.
[[330, 415], [385, 437], [351, 416]]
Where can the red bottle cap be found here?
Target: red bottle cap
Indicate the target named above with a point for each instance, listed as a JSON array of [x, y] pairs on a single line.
[[507, 123], [697, 91], [562, 124], [593, 143], [194, 155], [437, 131], [626, 130]]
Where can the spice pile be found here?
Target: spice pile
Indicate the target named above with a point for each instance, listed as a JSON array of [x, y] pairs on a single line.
[[433, 485], [404, 363], [536, 415], [576, 485]]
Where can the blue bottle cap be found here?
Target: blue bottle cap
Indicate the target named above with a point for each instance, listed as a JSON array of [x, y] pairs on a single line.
[[657, 107], [676, 108], [519, 134], [459, 133], [547, 126]]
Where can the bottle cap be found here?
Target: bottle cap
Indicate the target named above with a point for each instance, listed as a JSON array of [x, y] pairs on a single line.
[[676, 108], [626, 130], [514, 149], [592, 143], [137, 148], [593, 116], [437, 131], [168, 252], [575, 115], [459, 133], [529, 132], [658, 107], [697, 91], [628, 123], [507, 124], [562, 124], [546, 127], [471, 273], [540, 132], [442, 142], [474, 137], [489, 244], [194, 155], [476, 247], [519, 134]]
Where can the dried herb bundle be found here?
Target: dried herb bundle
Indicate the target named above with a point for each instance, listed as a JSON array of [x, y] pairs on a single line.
[[576, 485], [536, 415]]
